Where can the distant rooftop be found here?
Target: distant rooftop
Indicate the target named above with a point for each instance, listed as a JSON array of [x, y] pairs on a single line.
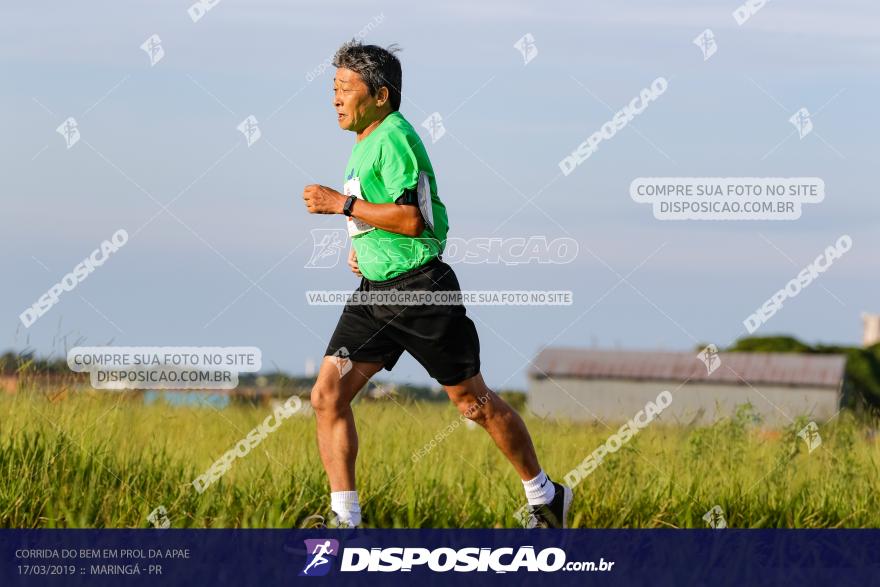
[[794, 369]]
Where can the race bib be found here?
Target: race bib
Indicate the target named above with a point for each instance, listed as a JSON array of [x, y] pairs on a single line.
[[355, 226]]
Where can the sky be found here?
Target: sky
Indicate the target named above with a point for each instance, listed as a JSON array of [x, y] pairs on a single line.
[[219, 239]]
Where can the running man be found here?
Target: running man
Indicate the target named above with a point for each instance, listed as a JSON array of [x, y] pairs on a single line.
[[397, 244]]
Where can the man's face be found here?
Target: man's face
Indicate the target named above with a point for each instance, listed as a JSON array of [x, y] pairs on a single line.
[[355, 107]]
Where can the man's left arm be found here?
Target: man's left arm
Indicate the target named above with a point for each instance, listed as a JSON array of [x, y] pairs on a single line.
[[398, 218]]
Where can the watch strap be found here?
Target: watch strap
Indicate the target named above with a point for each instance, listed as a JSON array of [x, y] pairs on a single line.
[[348, 206]]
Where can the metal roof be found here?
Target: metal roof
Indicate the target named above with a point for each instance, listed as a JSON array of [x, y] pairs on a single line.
[[738, 368]]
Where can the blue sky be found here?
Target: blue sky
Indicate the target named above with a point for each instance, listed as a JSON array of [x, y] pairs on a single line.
[[153, 134]]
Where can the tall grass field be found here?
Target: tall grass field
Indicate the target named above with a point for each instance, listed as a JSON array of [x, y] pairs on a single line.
[[105, 460]]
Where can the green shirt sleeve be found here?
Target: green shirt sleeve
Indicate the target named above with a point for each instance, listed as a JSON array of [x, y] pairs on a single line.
[[398, 166]]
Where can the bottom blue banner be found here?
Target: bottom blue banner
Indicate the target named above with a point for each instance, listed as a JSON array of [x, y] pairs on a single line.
[[509, 557]]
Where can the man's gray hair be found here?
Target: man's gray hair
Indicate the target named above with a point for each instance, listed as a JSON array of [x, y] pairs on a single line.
[[377, 67]]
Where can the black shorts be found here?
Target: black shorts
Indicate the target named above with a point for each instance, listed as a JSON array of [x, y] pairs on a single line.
[[440, 337]]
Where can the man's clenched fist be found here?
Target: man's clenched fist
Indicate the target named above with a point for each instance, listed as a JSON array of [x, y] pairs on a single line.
[[353, 263], [320, 199]]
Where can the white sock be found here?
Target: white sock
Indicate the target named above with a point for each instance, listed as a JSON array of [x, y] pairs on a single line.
[[535, 493], [346, 506]]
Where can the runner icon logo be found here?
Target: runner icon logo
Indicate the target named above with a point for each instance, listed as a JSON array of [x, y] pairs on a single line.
[[321, 555]]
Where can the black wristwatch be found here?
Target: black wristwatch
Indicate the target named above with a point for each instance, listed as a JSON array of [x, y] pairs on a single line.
[[349, 204]]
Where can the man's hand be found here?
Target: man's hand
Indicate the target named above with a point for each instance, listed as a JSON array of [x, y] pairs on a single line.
[[353, 262], [320, 199]]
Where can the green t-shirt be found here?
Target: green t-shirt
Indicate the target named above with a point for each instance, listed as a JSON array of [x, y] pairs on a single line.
[[385, 163]]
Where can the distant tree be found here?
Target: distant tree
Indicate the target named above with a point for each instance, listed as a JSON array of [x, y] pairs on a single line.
[[516, 399], [12, 363], [770, 344]]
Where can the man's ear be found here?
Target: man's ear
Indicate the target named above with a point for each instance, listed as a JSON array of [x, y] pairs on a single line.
[[382, 96]]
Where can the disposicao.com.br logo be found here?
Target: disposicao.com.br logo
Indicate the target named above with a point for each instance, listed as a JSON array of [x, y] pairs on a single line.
[[322, 553]]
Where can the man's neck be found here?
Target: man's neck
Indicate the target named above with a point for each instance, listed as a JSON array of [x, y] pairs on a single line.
[[370, 128]]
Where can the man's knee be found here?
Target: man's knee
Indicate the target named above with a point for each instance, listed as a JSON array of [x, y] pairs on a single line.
[[474, 407], [327, 398]]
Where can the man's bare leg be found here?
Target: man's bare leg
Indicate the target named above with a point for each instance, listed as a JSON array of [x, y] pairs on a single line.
[[477, 402], [331, 400], [548, 503]]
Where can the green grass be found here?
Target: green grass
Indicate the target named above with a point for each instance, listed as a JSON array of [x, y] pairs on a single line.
[[95, 459]]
